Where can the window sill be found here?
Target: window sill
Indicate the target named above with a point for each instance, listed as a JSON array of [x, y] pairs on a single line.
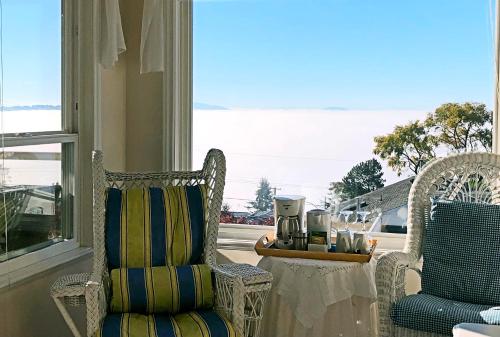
[[244, 237], [29, 265]]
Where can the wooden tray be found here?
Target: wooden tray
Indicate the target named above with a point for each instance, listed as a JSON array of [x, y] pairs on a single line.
[[265, 247]]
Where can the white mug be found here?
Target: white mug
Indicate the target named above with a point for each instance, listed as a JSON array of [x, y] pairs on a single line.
[[360, 243], [343, 242]]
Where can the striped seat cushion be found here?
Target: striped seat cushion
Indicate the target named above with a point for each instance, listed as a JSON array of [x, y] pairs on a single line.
[[434, 314], [161, 289], [147, 227], [201, 323]]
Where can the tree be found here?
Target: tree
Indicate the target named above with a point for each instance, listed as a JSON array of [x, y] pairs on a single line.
[[462, 127], [363, 178], [263, 197], [225, 207], [408, 147], [452, 126]]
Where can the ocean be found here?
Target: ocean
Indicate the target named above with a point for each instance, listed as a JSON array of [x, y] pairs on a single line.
[[300, 151]]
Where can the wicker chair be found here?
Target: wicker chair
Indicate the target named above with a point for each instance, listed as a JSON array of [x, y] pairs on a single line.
[[472, 177], [240, 289]]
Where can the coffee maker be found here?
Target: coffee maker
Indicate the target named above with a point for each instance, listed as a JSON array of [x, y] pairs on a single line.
[[288, 217]]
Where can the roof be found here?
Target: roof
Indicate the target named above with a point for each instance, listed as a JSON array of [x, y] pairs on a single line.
[[239, 214], [383, 199], [263, 214]]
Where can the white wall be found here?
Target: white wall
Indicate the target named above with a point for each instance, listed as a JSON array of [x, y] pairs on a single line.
[[27, 310]]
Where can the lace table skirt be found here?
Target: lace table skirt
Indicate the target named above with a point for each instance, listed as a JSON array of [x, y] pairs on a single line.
[[319, 298]]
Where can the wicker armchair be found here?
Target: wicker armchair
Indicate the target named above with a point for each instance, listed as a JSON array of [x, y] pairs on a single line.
[[472, 177], [240, 289]]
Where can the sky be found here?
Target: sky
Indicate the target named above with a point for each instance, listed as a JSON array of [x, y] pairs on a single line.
[[31, 43], [354, 54]]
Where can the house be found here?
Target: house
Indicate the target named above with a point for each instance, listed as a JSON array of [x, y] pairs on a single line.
[[388, 206]]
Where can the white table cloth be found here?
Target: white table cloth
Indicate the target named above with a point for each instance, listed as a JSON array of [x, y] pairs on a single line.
[[312, 298]]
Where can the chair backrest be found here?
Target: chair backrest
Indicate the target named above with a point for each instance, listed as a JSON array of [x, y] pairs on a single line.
[[212, 176], [468, 177]]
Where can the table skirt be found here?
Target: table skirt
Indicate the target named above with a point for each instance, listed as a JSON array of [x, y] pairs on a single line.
[[353, 317]]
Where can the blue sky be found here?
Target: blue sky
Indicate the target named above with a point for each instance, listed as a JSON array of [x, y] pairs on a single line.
[[357, 54], [32, 52]]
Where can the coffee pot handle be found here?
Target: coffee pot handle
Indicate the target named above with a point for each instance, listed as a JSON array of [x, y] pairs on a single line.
[[355, 244], [347, 244], [285, 230]]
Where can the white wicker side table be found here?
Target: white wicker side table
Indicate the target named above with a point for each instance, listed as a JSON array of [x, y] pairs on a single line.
[[257, 284], [69, 290]]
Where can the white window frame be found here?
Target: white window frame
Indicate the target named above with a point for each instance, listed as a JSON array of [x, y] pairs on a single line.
[[178, 85], [80, 112]]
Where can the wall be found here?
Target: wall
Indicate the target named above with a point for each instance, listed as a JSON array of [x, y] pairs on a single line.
[[27, 310], [113, 114], [143, 99], [131, 104]]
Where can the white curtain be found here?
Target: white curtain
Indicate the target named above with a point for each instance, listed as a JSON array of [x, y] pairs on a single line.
[[112, 42], [152, 36]]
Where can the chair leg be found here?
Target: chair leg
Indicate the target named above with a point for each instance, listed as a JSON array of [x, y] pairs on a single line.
[[67, 318]]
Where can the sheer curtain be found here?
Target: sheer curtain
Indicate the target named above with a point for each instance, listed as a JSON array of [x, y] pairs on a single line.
[[152, 36], [112, 40]]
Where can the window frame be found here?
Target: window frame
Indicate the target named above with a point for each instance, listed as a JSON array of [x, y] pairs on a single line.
[[79, 113]]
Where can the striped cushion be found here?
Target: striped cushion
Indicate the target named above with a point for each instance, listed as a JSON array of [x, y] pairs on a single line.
[[434, 314], [201, 323], [155, 226], [161, 289], [460, 251]]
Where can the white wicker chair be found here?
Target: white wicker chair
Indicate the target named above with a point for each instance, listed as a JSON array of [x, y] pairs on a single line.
[[240, 289], [472, 177]]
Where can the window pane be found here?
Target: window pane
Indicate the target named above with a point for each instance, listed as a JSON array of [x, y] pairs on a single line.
[[296, 93], [36, 197], [31, 56]]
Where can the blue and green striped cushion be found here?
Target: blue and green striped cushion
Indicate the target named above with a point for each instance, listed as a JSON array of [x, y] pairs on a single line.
[[201, 323], [148, 227], [161, 289]]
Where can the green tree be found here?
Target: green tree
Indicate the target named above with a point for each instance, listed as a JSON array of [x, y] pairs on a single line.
[[462, 127], [263, 197], [408, 147], [453, 127], [225, 207], [363, 178]]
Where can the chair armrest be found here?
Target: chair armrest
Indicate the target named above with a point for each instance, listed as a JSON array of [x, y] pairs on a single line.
[[240, 292], [70, 288], [390, 280]]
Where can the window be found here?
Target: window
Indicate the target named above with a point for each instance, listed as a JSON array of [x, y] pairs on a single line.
[[38, 139], [305, 97]]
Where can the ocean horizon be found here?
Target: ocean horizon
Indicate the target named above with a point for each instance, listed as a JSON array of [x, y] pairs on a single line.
[[300, 151]]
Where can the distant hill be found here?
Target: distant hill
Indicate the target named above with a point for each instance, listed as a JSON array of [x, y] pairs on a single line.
[[336, 108], [31, 107], [204, 106]]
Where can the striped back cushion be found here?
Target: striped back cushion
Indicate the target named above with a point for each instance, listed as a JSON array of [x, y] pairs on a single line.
[[146, 227], [161, 289]]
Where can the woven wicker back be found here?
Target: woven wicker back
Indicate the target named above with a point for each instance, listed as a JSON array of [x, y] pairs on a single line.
[[212, 175], [469, 177]]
